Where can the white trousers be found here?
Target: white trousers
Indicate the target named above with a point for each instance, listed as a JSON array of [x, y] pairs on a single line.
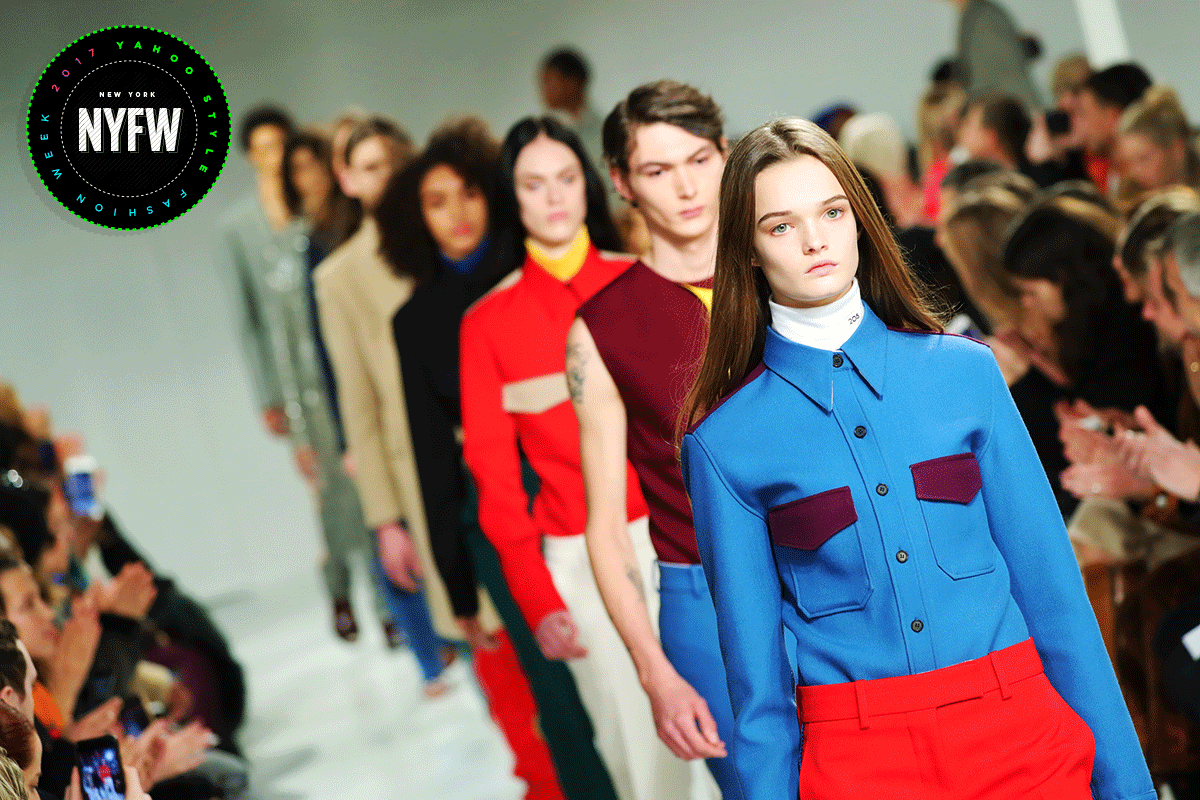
[[641, 766]]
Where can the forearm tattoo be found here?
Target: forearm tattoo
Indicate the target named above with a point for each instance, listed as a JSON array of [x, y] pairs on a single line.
[[576, 359]]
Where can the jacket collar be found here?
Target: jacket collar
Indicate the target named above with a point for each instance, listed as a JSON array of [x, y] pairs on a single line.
[[811, 370]]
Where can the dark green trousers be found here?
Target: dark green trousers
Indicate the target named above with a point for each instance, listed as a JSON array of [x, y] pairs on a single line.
[[564, 722]]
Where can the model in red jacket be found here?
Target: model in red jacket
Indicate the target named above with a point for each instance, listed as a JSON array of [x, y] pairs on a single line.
[[514, 403]]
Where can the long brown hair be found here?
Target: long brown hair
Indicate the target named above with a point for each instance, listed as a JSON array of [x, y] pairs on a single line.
[[738, 328]]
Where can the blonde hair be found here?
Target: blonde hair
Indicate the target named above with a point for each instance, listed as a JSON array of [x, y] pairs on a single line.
[[12, 779], [976, 226], [874, 142], [937, 118], [1159, 116], [1069, 75]]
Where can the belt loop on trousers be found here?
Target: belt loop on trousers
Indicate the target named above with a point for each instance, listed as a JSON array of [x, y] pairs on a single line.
[[860, 694], [1005, 691]]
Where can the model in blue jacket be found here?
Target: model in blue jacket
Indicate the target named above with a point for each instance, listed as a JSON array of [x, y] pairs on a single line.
[[871, 490]]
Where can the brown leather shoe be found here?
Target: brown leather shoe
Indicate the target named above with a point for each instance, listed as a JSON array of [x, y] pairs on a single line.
[[343, 620]]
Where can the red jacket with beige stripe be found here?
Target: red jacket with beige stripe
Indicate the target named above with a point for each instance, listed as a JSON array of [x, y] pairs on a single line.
[[515, 401]]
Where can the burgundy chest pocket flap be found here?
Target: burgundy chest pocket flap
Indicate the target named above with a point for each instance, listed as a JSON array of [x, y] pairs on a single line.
[[950, 479], [808, 523]]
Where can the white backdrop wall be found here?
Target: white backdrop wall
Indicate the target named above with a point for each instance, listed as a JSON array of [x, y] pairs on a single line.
[[128, 336]]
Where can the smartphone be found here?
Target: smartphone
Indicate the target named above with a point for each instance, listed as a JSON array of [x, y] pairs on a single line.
[[100, 773], [134, 719]]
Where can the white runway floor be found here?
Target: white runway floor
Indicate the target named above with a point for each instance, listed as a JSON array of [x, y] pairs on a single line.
[[328, 719]]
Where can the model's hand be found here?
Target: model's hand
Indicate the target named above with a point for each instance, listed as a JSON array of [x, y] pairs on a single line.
[[348, 464], [1158, 456], [1113, 480], [399, 556], [276, 421], [682, 717], [557, 636]]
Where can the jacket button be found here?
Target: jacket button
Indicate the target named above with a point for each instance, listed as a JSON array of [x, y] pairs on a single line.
[[917, 625], [860, 431], [881, 489], [837, 359], [901, 556]]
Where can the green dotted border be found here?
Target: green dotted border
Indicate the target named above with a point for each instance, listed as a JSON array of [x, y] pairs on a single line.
[[29, 118]]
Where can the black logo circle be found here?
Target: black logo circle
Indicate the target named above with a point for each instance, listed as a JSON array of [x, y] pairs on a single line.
[[128, 127]]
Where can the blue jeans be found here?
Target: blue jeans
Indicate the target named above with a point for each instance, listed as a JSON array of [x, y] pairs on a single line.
[[411, 614], [687, 625]]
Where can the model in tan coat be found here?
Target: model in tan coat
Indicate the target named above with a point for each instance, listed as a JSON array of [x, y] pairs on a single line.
[[357, 295]]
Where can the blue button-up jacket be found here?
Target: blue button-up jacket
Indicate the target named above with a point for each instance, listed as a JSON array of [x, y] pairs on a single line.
[[885, 505]]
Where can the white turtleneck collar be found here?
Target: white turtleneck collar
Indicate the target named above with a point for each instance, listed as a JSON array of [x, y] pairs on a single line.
[[824, 327]]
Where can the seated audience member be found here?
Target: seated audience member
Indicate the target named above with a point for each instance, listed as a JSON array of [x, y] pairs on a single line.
[[996, 128], [974, 229], [1155, 454], [1154, 145], [1149, 218], [937, 123], [954, 182], [12, 780], [1097, 116], [168, 756], [833, 117], [873, 142], [1079, 337], [21, 744], [1054, 146], [1123, 516]]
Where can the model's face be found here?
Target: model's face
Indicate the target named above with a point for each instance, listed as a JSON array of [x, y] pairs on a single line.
[[1149, 165], [312, 180], [455, 213], [805, 235], [27, 611], [674, 177], [1157, 309], [266, 149], [1187, 306], [550, 192], [1042, 308], [372, 163], [1095, 122]]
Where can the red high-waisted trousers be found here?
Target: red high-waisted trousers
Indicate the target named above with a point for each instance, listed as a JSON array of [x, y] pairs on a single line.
[[990, 728]]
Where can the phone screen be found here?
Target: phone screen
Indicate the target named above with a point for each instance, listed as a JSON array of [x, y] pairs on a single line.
[[100, 773]]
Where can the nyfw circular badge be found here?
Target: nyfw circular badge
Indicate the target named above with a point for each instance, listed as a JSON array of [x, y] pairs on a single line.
[[128, 127]]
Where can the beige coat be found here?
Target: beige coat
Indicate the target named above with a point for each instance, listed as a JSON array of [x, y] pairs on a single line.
[[357, 296]]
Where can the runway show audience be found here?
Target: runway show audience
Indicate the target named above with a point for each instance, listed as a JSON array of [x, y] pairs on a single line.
[[479, 349]]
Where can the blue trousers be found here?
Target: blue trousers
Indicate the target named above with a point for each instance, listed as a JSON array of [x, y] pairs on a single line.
[[410, 612], [687, 625]]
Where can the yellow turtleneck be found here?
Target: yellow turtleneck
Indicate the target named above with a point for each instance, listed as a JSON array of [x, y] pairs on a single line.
[[703, 293], [567, 265]]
